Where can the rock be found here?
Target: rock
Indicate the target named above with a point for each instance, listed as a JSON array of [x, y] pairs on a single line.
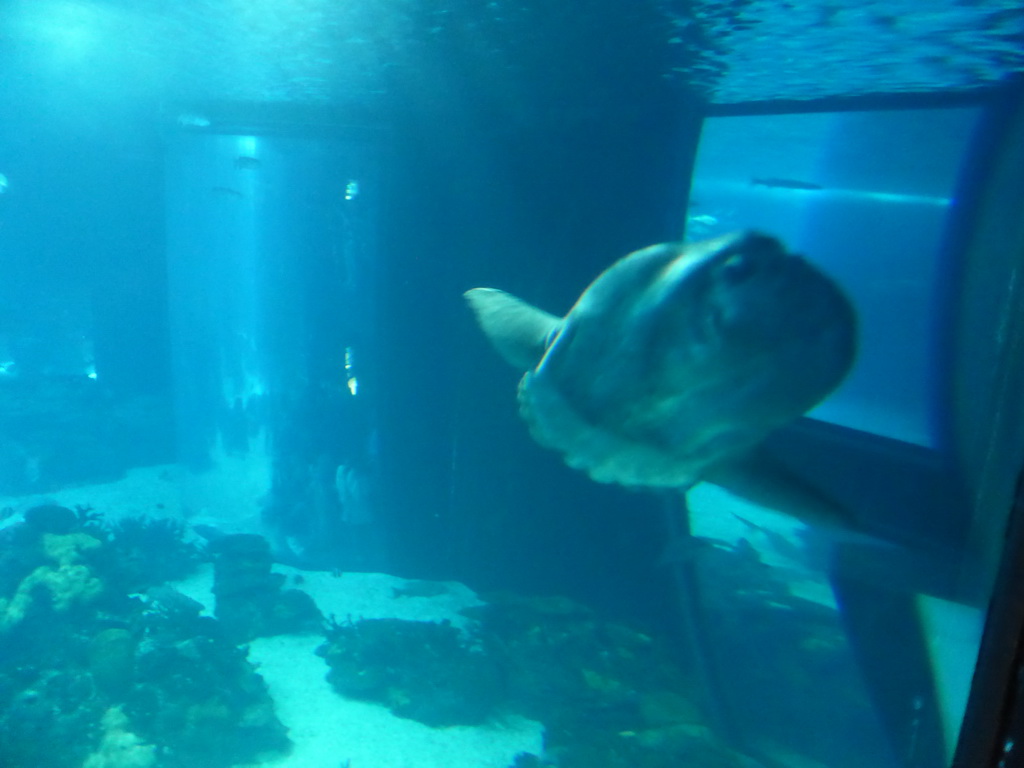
[[51, 518]]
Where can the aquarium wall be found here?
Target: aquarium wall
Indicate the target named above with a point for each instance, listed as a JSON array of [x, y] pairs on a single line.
[[272, 301], [84, 319], [552, 218]]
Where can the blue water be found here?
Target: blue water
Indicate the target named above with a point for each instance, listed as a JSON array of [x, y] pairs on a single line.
[[233, 242]]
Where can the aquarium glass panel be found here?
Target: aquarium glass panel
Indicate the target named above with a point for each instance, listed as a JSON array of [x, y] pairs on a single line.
[[869, 196]]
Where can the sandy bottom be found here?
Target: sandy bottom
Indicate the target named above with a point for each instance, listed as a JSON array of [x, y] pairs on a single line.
[[329, 731], [150, 491], [229, 498]]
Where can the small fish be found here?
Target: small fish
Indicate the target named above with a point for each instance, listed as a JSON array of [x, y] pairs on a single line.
[[777, 183], [420, 589], [703, 219], [4, 183], [192, 120], [247, 163]]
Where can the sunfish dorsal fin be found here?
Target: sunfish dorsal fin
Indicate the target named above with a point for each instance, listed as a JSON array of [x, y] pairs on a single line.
[[519, 331]]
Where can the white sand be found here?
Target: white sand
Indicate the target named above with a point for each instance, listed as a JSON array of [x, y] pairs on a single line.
[[228, 497], [327, 729], [372, 596], [150, 491]]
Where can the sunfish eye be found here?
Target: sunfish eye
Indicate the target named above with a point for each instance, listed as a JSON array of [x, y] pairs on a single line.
[[737, 268]]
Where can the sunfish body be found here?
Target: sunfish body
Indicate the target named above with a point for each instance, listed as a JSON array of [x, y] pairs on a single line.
[[678, 360]]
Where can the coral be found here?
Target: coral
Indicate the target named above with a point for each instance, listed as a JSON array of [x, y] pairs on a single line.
[[250, 601], [421, 670], [70, 583], [119, 747], [50, 518], [68, 548], [201, 697], [150, 551], [49, 715], [112, 660], [94, 677], [607, 694], [88, 520], [67, 585]]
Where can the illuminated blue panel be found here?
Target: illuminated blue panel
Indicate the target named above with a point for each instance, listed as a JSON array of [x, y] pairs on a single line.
[[867, 196]]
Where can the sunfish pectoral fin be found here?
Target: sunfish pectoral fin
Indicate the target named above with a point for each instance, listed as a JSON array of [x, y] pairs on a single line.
[[762, 479], [519, 331]]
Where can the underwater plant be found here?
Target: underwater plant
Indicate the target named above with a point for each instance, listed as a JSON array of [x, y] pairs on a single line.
[[89, 520], [150, 551]]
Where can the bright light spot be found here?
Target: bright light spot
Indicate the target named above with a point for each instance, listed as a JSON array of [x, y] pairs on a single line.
[[353, 385], [351, 189], [90, 49], [73, 28], [247, 146], [953, 635]]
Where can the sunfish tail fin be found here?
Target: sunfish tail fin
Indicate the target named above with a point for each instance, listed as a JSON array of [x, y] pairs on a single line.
[[519, 331]]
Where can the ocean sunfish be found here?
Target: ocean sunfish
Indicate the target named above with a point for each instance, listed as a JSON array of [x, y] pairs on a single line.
[[677, 361]]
